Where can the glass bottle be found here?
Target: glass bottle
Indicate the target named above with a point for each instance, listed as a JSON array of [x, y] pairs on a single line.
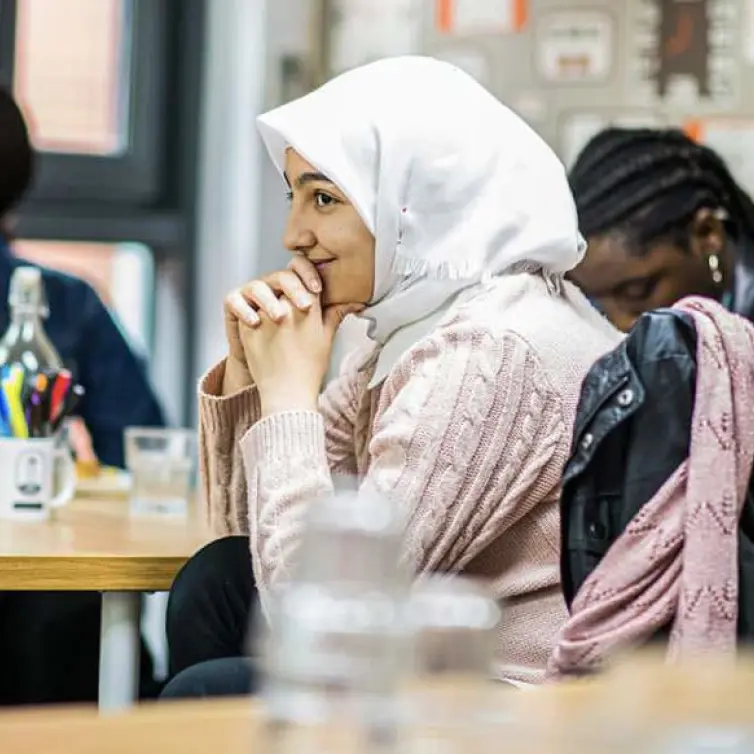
[[25, 342]]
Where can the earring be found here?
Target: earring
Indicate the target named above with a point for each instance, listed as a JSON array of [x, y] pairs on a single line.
[[714, 268]]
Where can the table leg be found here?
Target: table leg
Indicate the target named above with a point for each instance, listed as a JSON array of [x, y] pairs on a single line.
[[119, 650]]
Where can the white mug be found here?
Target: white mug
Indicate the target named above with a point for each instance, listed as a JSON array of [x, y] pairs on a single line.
[[30, 471]]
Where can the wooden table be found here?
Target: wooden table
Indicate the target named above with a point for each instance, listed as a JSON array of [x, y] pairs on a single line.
[[229, 727], [94, 545], [636, 710]]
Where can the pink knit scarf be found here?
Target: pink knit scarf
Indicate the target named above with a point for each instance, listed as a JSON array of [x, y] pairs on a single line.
[[678, 558]]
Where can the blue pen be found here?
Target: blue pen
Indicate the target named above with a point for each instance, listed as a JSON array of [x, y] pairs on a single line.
[[4, 415]]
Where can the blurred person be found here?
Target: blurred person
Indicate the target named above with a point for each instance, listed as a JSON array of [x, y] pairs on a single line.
[[81, 328], [49, 641], [664, 219], [422, 204]]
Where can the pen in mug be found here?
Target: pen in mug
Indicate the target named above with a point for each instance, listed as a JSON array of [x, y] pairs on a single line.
[[72, 399], [5, 430], [59, 392], [13, 388]]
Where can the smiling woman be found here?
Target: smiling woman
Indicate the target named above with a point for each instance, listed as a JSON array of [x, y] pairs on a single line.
[[442, 219], [324, 227]]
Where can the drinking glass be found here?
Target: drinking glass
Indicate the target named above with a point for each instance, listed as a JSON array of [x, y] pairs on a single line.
[[336, 644], [162, 465], [453, 704]]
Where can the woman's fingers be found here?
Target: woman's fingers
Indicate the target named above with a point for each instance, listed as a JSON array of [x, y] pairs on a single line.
[[263, 298], [307, 272], [300, 284], [290, 284], [237, 306]]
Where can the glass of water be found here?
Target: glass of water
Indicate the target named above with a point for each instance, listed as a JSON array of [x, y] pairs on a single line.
[[453, 704], [162, 465], [337, 647]]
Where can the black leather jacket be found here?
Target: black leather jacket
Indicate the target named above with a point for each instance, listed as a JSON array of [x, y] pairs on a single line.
[[632, 431]]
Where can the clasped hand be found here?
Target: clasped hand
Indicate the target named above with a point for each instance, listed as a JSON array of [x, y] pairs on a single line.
[[280, 337]]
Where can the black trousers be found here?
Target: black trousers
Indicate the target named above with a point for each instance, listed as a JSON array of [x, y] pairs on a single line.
[[49, 648], [209, 611]]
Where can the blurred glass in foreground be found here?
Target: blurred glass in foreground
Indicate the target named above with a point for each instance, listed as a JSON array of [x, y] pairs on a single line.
[[337, 648], [357, 659], [451, 700]]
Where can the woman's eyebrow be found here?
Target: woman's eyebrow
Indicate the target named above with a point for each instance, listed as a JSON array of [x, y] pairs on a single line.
[[305, 178]]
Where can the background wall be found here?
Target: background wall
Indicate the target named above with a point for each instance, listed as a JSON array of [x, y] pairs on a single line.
[[570, 68]]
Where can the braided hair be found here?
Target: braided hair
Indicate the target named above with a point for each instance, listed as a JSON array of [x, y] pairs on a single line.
[[649, 184], [16, 154]]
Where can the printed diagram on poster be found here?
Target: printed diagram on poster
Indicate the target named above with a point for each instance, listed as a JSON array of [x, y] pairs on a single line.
[[361, 31], [733, 140], [685, 53], [471, 61], [575, 47], [467, 17], [579, 128]]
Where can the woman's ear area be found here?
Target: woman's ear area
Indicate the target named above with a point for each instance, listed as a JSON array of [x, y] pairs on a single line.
[[707, 233]]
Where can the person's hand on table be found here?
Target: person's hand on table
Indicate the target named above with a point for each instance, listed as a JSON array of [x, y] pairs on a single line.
[[80, 442], [280, 337]]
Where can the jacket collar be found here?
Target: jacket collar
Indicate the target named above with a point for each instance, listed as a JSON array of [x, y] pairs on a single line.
[[615, 370]]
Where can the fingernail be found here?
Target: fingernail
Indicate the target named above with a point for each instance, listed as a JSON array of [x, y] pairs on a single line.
[[303, 301], [316, 286]]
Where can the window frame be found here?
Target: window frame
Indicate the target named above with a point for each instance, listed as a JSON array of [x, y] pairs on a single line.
[[134, 176], [168, 223], [7, 41]]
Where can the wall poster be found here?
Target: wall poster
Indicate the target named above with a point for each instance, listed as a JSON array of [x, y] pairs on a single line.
[[575, 47], [685, 52], [468, 17], [362, 31]]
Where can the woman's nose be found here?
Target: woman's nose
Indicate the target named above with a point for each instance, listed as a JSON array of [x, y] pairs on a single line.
[[298, 239]]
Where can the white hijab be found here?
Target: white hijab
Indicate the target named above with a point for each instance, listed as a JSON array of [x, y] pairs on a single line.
[[454, 186]]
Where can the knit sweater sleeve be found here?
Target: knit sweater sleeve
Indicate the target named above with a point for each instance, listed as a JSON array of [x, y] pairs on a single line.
[[468, 436], [224, 420]]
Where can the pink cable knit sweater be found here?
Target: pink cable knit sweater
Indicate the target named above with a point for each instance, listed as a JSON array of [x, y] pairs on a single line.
[[678, 558], [470, 431]]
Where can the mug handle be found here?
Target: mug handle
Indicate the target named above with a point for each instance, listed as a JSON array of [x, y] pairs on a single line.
[[63, 457]]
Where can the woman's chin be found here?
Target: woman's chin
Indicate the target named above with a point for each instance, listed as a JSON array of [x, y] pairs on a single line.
[[338, 295], [331, 296]]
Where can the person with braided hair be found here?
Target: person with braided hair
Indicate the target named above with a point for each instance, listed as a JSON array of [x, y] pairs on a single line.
[[664, 219]]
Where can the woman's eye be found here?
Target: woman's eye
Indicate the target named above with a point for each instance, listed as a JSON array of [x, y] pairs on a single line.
[[324, 200], [289, 197]]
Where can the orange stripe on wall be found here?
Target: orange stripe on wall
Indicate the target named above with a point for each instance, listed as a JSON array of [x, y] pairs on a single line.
[[445, 15], [520, 14], [694, 129]]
